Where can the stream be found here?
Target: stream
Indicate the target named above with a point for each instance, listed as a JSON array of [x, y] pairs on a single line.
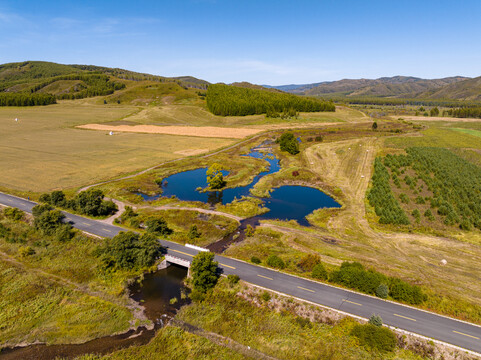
[[154, 293]]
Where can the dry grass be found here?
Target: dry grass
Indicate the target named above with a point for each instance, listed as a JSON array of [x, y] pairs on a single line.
[[44, 151], [205, 131]]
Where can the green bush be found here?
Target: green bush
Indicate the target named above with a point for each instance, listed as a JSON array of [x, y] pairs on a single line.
[[13, 213], [255, 260], [375, 320], [289, 143], [266, 296], [354, 276], [129, 250], [402, 291], [233, 279], [319, 272], [374, 337], [49, 221], [382, 291], [275, 262], [25, 251], [158, 226], [194, 233]]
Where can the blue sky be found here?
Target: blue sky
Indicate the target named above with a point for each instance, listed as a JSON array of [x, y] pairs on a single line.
[[264, 42]]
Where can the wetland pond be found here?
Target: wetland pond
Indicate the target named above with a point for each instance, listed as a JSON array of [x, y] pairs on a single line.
[[288, 202], [154, 292]]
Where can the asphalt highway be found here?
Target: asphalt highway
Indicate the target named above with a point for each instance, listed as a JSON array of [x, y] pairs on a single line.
[[458, 333]]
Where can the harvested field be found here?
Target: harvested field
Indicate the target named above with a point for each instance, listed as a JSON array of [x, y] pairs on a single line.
[[206, 131]]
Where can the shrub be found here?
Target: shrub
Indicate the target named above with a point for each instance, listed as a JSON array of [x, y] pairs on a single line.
[[158, 226], [64, 232], [57, 198], [382, 291], [275, 262], [48, 221], [266, 296], [374, 337], [232, 279], [129, 250], [255, 260], [13, 213], [375, 320], [402, 291], [303, 322], [295, 173], [194, 233], [308, 262], [91, 202], [249, 232], [319, 272], [25, 251], [289, 143]]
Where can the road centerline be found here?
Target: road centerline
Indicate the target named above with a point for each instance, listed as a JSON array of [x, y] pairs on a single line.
[[352, 302], [265, 277], [180, 252], [460, 333], [302, 288], [404, 317]]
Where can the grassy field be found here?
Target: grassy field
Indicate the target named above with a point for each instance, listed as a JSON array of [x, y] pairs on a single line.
[[438, 137], [275, 328], [54, 295], [38, 308], [43, 150]]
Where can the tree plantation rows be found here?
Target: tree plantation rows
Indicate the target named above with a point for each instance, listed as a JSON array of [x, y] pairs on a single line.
[[225, 100], [26, 99], [382, 198], [455, 185]]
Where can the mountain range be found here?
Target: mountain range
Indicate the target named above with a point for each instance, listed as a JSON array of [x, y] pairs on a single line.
[[456, 88]]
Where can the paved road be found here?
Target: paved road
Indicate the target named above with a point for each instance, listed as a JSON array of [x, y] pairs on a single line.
[[441, 328]]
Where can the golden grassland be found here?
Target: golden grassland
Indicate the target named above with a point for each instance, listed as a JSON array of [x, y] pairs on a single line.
[[43, 150]]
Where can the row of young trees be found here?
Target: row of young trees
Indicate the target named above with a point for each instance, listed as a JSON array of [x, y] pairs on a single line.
[[465, 112], [382, 198], [366, 100], [228, 100], [89, 202], [454, 182], [26, 99]]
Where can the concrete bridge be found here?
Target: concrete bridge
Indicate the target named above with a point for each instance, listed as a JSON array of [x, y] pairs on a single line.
[[177, 260]]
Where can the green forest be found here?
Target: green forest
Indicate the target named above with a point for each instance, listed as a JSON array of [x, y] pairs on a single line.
[[225, 100], [26, 99]]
